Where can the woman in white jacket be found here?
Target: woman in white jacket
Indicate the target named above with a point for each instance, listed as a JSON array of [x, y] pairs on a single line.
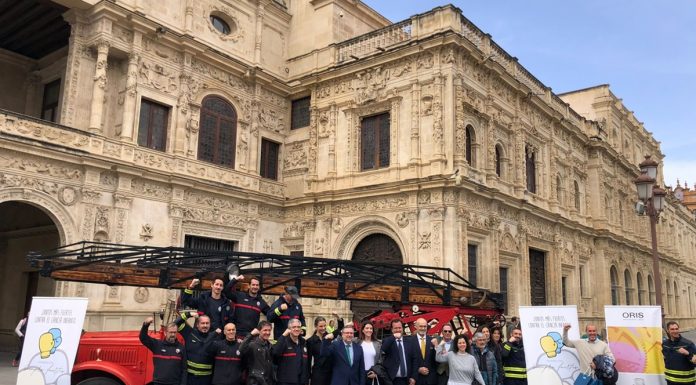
[[462, 365]]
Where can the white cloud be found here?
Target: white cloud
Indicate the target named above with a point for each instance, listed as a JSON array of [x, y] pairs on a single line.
[[684, 170]]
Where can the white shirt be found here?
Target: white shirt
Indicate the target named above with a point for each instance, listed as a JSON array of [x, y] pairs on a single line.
[[369, 354]]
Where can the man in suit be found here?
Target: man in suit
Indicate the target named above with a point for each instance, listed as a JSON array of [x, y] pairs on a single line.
[[399, 356], [425, 355], [346, 358]]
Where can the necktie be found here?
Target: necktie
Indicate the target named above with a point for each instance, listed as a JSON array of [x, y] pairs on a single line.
[[402, 364], [422, 342], [350, 359]]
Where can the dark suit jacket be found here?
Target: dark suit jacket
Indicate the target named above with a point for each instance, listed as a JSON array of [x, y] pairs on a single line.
[[428, 361], [343, 373], [391, 356]]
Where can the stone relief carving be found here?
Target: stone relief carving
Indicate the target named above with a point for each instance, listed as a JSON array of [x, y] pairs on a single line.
[[427, 105], [153, 160], [337, 225], [158, 77], [508, 243], [146, 232], [7, 180], [424, 240], [214, 216], [66, 195], [271, 188], [14, 161], [162, 51], [151, 189], [225, 77], [223, 203], [270, 120], [42, 132], [141, 295], [296, 156], [369, 84], [294, 230], [371, 205], [101, 222], [423, 198], [402, 219]]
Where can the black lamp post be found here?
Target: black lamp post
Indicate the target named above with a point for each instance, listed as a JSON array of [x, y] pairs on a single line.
[[652, 198]]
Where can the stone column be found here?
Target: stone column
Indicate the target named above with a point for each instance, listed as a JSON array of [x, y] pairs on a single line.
[[130, 97], [438, 127], [97, 109], [260, 13], [254, 140], [31, 101], [188, 19], [415, 123], [459, 129], [493, 258], [309, 228], [524, 296]]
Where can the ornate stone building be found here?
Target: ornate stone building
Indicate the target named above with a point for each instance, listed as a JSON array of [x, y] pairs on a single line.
[[316, 128]]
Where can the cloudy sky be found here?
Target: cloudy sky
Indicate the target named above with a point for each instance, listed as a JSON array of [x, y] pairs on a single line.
[[644, 49]]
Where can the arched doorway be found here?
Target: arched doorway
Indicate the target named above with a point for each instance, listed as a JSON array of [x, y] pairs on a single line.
[[374, 248], [23, 228]]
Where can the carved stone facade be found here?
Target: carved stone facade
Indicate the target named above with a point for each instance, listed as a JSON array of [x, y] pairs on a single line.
[[452, 92]]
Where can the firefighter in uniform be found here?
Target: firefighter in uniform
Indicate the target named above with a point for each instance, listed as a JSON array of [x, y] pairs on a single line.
[[256, 352], [168, 356], [214, 303], [284, 309], [290, 354], [514, 364], [248, 306], [226, 353], [679, 354], [199, 362]]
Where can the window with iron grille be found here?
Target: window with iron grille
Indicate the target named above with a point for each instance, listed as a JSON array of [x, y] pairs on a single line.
[[300, 113], [269, 159], [374, 142], [297, 253], [152, 129], [217, 136], [49, 106]]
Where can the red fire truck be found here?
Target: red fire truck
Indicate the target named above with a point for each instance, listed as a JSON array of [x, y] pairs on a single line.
[[439, 295]]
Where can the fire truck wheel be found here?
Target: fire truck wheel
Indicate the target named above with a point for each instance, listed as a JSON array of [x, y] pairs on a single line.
[[99, 381]]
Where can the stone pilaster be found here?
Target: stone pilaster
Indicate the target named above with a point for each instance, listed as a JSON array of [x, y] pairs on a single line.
[[415, 123], [97, 109]]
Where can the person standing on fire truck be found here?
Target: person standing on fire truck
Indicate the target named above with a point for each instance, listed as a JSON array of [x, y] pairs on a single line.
[[199, 362], [168, 356], [248, 306], [227, 369], [214, 304], [284, 309]]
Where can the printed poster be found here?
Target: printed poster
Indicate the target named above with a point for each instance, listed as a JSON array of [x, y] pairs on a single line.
[[53, 334], [549, 362], [635, 336]]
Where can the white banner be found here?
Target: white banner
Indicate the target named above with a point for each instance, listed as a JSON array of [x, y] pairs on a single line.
[[50, 345], [635, 337], [549, 362]]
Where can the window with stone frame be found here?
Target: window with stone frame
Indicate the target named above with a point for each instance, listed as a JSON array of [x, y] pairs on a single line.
[[472, 252], [49, 105], [269, 159], [374, 142], [299, 113], [469, 145], [217, 136], [152, 127]]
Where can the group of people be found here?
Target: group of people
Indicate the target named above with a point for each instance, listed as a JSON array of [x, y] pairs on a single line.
[[230, 344]]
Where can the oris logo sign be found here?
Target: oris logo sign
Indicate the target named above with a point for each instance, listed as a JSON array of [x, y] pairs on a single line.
[[632, 315]]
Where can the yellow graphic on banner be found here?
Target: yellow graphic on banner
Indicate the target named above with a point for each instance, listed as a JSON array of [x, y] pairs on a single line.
[[637, 350]]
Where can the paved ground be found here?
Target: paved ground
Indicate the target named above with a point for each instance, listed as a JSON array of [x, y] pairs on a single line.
[[8, 374]]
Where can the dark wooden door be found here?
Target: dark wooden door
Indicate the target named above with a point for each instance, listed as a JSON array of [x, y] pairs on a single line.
[[374, 248], [537, 277]]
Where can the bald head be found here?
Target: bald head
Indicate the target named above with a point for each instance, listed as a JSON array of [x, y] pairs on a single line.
[[421, 326]]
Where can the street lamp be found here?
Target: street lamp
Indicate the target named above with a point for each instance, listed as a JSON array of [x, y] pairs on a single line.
[[652, 201]]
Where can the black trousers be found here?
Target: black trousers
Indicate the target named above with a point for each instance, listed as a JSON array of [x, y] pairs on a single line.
[[198, 380]]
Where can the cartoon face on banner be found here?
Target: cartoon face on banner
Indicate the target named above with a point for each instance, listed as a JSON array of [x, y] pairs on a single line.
[[49, 342], [549, 361]]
